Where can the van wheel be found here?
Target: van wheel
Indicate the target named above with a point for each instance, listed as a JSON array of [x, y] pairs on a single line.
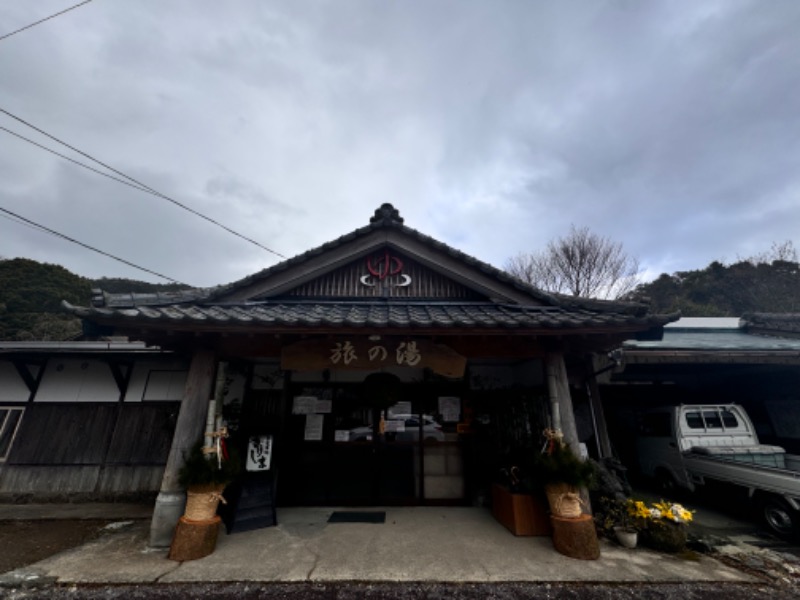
[[665, 483], [779, 517]]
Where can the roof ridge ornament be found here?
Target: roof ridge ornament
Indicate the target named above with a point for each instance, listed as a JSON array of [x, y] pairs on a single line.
[[386, 215]]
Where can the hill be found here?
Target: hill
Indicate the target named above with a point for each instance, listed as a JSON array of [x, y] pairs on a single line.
[[727, 290], [31, 293]]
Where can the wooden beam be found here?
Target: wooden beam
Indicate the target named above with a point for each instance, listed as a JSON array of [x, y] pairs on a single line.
[[188, 430], [192, 414], [119, 378], [27, 377]]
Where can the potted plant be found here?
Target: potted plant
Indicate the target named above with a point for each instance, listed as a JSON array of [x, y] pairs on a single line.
[[517, 506], [663, 524], [563, 474], [614, 519], [205, 476]]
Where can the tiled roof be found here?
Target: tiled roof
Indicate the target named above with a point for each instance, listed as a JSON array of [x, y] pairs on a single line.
[[101, 298], [375, 314], [211, 307], [386, 217]]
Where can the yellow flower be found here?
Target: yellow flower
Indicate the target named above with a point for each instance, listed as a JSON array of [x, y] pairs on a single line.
[[658, 510]]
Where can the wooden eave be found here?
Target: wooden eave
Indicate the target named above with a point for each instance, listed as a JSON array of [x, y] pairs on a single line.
[[138, 327]]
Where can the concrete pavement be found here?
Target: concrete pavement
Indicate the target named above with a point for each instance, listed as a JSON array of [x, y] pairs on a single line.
[[417, 544]]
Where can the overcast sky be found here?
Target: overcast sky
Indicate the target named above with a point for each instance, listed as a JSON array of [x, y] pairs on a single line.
[[672, 127]]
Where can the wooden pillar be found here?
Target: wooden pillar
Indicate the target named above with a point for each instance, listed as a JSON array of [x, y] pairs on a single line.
[[560, 399], [188, 429]]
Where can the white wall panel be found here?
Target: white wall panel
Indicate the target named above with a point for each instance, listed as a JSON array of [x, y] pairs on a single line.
[[160, 387], [77, 380], [165, 385], [12, 388]]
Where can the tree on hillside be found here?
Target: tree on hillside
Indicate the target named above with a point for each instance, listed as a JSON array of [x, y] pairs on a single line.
[[765, 282], [582, 264], [779, 251], [30, 300], [31, 293]]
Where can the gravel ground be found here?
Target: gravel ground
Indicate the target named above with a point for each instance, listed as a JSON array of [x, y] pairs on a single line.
[[26, 542], [412, 591]]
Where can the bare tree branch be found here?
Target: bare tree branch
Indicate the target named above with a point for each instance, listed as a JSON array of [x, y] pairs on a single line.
[[780, 252], [581, 264]]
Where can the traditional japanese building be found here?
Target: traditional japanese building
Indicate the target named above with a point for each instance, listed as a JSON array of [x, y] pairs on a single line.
[[388, 367]]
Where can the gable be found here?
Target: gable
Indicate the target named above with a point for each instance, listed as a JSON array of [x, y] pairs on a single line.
[[336, 271], [431, 270], [384, 273]]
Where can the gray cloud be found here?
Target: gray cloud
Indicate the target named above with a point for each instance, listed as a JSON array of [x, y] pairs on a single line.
[[672, 127]]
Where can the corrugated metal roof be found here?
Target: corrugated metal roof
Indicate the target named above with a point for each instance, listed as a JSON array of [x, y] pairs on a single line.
[[715, 340], [706, 323], [6, 347]]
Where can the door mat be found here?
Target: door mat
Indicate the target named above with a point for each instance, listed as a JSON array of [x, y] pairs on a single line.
[[355, 516]]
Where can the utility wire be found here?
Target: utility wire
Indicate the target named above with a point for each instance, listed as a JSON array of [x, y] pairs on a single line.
[[141, 185], [8, 35], [23, 223], [77, 162], [23, 220]]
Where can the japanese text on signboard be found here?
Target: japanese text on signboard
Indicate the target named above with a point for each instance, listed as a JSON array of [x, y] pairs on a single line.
[[405, 353]]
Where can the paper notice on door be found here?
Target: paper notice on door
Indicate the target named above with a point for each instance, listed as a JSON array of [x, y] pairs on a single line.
[[450, 408], [341, 435], [304, 405], [314, 427]]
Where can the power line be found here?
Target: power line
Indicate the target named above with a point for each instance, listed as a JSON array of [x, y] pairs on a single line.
[[140, 185], [23, 220], [77, 162], [23, 223], [45, 19]]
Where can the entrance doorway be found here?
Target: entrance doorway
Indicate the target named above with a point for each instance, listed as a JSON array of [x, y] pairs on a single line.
[[373, 443]]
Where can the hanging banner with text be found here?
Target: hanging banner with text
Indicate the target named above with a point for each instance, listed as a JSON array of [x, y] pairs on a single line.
[[352, 353]]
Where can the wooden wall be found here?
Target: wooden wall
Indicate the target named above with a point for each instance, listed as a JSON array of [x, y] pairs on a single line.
[[98, 450]]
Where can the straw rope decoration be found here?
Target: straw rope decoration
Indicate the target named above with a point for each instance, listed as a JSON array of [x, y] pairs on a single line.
[[552, 437], [219, 448]]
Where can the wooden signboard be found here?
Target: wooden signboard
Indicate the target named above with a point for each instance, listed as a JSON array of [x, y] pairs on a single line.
[[251, 500], [360, 353]]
